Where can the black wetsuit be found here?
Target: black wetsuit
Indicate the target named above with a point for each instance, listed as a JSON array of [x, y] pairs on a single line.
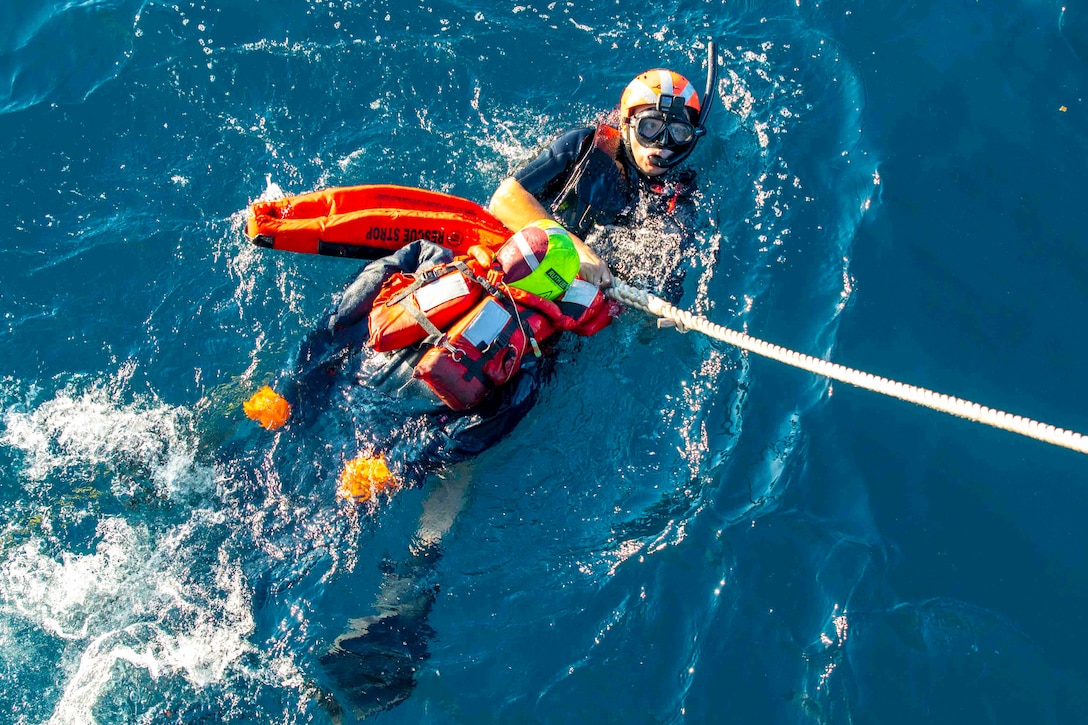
[[388, 410], [585, 188]]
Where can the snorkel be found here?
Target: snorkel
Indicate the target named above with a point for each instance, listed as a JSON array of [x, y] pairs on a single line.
[[679, 153]]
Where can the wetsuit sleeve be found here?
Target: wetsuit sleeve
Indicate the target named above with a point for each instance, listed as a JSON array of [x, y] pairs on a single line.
[[549, 171]]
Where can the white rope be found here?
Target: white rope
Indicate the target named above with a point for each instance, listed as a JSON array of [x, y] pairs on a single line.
[[643, 300]]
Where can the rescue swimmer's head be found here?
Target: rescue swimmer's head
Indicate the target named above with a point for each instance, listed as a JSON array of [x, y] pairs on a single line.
[[662, 116], [540, 258]]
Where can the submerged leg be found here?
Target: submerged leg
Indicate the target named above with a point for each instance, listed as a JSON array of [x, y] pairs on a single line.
[[373, 664]]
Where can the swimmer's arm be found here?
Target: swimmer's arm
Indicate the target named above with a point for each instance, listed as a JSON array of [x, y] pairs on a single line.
[[515, 207]]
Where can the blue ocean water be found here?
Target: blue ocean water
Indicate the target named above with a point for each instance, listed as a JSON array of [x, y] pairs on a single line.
[[678, 532]]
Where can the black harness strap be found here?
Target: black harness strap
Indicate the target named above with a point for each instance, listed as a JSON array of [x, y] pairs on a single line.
[[601, 152]]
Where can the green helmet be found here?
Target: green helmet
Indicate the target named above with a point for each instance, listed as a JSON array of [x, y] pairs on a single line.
[[540, 258]]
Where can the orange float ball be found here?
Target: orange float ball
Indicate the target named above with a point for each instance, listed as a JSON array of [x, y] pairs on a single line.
[[268, 408], [364, 477]]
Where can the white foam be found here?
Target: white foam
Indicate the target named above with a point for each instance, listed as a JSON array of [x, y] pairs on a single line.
[[142, 444], [140, 598], [272, 190]]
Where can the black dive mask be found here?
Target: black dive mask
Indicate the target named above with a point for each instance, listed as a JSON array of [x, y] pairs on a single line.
[[666, 126], [663, 129]]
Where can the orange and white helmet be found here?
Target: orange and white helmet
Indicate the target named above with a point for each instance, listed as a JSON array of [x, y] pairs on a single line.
[[660, 109], [649, 88]]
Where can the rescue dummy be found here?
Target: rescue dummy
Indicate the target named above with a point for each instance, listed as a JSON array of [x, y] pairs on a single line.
[[443, 353]]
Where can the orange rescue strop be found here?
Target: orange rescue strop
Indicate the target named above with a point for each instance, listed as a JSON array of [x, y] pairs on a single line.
[[371, 221]]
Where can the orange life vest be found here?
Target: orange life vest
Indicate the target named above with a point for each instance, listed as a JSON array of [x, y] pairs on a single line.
[[477, 328], [411, 307]]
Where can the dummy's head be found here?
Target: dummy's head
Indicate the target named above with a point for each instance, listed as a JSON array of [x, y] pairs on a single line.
[[662, 116], [540, 258]]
